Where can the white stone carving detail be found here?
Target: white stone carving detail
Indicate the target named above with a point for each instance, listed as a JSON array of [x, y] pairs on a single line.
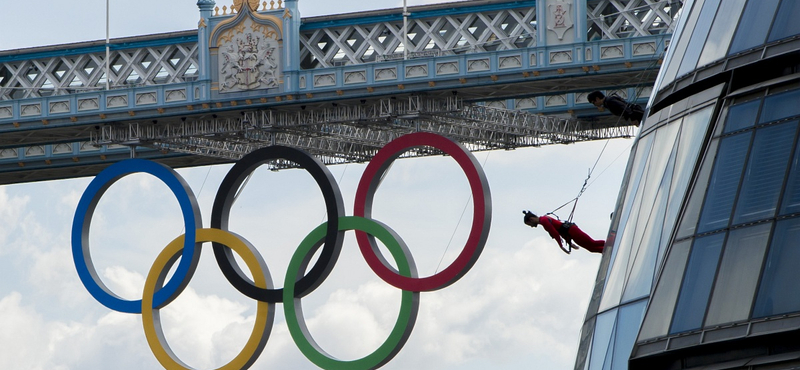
[[559, 18], [249, 60]]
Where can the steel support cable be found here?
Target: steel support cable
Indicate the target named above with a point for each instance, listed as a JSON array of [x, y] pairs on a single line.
[[459, 221]]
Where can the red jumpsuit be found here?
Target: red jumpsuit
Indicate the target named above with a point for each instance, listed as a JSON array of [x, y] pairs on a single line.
[[571, 232]]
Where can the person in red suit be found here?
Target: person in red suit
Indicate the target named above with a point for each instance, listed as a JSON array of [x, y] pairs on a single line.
[[566, 230]]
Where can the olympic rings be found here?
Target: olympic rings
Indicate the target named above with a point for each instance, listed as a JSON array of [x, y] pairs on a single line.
[[328, 236], [333, 205], [481, 219], [265, 312], [82, 222], [293, 309]]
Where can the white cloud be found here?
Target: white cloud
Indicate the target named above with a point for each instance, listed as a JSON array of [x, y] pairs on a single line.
[[124, 283], [11, 212]]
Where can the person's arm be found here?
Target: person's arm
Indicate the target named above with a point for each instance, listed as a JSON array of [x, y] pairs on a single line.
[[548, 226]]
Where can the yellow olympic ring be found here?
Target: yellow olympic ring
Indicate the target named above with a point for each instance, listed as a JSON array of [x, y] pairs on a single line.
[[155, 279]]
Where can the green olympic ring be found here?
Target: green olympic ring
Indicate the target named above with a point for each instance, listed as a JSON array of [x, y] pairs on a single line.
[[292, 307]]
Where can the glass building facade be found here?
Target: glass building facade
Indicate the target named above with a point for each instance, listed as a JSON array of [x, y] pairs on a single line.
[[704, 266]]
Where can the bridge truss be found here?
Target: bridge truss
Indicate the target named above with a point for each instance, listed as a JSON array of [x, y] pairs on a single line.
[[348, 133]]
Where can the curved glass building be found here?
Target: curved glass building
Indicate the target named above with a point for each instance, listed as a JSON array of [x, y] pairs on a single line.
[[704, 272]]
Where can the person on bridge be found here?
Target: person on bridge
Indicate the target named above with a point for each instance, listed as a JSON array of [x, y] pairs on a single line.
[[617, 106], [566, 230]]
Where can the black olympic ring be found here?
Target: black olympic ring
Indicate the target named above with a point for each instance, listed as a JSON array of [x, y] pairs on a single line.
[[333, 204]]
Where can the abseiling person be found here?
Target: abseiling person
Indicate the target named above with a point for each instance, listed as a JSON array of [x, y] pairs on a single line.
[[617, 106], [566, 230]]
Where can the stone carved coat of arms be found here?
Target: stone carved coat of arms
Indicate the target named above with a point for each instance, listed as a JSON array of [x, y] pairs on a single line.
[[248, 61], [559, 18]]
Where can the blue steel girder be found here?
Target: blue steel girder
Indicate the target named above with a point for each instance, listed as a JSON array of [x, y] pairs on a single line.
[[491, 52]]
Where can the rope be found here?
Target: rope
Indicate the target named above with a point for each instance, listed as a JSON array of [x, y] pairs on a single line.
[[459, 221], [637, 90]]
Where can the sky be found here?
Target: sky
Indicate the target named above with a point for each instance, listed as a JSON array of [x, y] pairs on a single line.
[[520, 306]]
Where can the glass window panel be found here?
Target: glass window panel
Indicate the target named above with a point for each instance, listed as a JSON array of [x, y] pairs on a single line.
[[763, 179], [781, 105], [623, 240], [630, 316], [785, 23], [699, 36], [697, 282], [741, 116], [662, 305], [643, 269], [791, 196], [602, 337], [692, 212], [639, 273], [679, 48], [738, 275], [779, 292], [721, 32], [693, 133], [724, 182], [754, 24]]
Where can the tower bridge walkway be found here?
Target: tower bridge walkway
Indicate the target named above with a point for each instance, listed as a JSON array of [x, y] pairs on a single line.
[[497, 74]]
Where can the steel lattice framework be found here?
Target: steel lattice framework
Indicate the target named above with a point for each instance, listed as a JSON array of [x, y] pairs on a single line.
[[615, 19], [354, 133], [68, 74], [436, 35], [325, 46], [474, 32]]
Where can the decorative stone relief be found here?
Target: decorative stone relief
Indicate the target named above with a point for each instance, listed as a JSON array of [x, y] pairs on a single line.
[[59, 107], [514, 61], [62, 148], [499, 104], [117, 101], [525, 103], [34, 151], [9, 153], [146, 98], [647, 48], [383, 74], [175, 95], [559, 17], [446, 68], [560, 57], [555, 100], [6, 112], [86, 146], [328, 79], [249, 56], [417, 71], [478, 65], [611, 52], [30, 110], [355, 77], [88, 104]]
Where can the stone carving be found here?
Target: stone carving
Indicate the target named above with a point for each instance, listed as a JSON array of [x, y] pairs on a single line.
[[249, 60], [559, 18]]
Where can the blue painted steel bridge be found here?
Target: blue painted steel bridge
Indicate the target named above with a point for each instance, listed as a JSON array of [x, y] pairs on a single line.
[[495, 74]]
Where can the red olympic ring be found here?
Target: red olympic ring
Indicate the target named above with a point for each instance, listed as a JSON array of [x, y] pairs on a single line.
[[481, 219]]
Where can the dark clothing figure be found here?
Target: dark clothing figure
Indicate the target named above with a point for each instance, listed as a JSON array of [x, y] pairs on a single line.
[[566, 230], [617, 106]]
